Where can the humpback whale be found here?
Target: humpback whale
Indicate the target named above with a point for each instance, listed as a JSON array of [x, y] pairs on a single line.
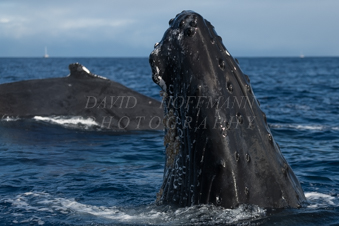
[[219, 148], [111, 105]]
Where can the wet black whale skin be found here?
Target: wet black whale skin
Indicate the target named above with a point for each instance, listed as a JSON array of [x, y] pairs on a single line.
[[229, 162], [82, 94]]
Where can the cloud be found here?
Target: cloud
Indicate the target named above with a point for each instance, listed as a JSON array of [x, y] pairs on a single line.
[[4, 20], [262, 27], [93, 22]]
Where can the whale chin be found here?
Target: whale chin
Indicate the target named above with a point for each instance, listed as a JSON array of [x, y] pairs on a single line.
[[219, 148]]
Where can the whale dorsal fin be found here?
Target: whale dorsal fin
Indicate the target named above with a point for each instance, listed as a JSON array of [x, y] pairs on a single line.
[[79, 71]]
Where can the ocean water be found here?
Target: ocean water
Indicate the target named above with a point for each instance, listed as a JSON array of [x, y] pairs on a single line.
[[63, 173]]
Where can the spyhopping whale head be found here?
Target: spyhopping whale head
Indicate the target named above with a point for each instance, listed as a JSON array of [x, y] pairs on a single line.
[[219, 148]]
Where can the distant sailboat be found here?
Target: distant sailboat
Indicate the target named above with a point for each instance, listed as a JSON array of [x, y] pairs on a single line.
[[46, 55], [301, 55]]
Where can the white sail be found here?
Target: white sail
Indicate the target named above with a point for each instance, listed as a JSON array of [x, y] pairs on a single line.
[[46, 55]]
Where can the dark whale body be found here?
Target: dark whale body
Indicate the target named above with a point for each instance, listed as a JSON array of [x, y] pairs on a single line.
[[111, 105], [219, 148]]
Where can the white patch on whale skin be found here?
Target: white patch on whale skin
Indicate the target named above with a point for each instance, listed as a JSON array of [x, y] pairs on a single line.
[[162, 84], [86, 70], [180, 36], [158, 71], [156, 49], [94, 75], [102, 77], [157, 77]]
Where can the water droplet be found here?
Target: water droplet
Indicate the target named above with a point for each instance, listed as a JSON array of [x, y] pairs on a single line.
[[230, 87], [189, 31], [240, 118], [222, 163], [227, 125], [270, 138], [193, 23], [248, 158], [224, 133], [264, 116], [156, 44], [171, 89], [184, 199], [222, 64], [248, 88], [217, 200], [237, 156], [247, 191], [248, 78], [284, 169], [182, 24]]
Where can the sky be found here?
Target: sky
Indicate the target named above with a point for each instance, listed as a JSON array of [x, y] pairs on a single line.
[[129, 28]]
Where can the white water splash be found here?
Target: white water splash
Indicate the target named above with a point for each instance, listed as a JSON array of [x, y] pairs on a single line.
[[76, 121], [319, 200], [44, 203], [7, 118], [305, 127]]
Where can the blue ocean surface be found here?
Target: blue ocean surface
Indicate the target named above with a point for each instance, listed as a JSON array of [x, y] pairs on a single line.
[[54, 173]]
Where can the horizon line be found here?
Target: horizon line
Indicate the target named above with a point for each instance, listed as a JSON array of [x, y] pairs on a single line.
[[147, 56]]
